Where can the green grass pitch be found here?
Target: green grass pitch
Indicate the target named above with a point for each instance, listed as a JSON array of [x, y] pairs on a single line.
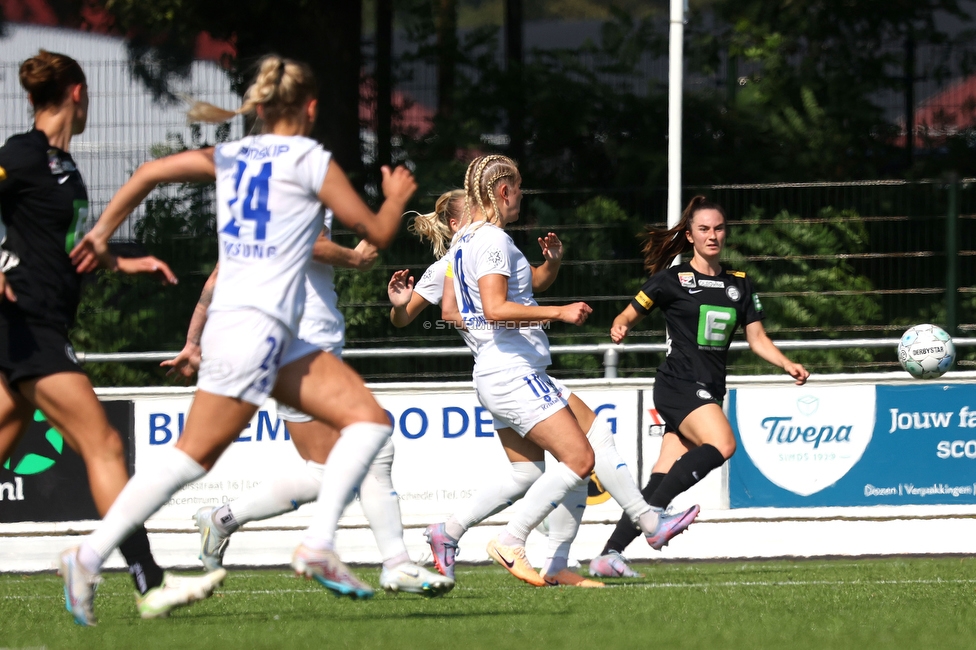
[[818, 604]]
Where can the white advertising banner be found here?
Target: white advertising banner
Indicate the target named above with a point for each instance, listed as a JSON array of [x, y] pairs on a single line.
[[805, 440], [263, 449], [446, 449]]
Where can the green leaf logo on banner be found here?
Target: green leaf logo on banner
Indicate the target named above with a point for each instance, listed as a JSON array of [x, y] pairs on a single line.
[[36, 463]]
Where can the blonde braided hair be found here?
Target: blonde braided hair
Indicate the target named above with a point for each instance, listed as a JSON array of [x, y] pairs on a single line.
[[479, 184]]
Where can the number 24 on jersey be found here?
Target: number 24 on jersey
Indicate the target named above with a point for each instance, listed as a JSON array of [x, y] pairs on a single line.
[[254, 207]]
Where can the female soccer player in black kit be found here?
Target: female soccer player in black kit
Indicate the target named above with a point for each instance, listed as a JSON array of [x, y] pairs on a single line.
[[703, 305], [44, 203]]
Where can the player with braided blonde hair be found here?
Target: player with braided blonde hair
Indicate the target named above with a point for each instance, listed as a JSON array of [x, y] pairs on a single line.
[[272, 192], [493, 296]]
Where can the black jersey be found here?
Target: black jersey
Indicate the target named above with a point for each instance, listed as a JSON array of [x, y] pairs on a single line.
[[44, 204], [702, 312]]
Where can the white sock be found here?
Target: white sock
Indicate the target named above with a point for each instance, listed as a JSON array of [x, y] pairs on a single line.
[[612, 472], [344, 471], [382, 508], [143, 495], [544, 495], [564, 523], [281, 494], [494, 498]]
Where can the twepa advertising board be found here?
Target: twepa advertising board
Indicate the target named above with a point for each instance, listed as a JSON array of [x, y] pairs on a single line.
[[446, 449], [854, 445]]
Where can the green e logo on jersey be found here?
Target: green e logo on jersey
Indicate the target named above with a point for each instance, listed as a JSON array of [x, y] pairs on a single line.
[[715, 325], [75, 233]]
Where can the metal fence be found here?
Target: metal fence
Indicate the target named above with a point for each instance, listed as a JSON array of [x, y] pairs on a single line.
[[125, 122], [831, 261], [900, 259]]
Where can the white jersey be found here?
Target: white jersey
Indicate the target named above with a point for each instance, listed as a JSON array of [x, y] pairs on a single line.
[[268, 217], [431, 283], [322, 323], [431, 288], [485, 249]]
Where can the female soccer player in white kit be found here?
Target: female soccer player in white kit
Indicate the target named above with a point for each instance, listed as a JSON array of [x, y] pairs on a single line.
[[323, 328], [527, 460], [272, 190], [493, 286]]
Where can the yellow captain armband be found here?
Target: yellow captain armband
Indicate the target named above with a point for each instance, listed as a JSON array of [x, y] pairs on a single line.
[[449, 273], [3, 174], [738, 274], [643, 300]]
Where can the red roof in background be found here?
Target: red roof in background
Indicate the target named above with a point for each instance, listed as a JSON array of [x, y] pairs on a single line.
[[97, 20], [947, 113], [410, 118], [413, 118], [35, 12]]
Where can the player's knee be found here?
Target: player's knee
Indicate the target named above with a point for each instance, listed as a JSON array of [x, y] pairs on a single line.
[[374, 415], [725, 447], [662, 466], [581, 462], [104, 444]]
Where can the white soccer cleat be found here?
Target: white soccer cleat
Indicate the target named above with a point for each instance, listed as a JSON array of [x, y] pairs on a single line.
[[212, 543], [415, 579], [612, 565], [177, 591], [328, 570], [79, 588]]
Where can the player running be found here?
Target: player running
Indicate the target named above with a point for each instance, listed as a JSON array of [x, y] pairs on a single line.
[[409, 300], [322, 327], [272, 191], [44, 204], [703, 306], [493, 288]]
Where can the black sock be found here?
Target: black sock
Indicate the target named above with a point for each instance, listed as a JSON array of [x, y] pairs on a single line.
[[146, 574], [626, 531], [686, 472]]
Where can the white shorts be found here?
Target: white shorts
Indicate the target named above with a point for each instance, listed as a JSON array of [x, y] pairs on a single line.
[[520, 398], [298, 349], [241, 352]]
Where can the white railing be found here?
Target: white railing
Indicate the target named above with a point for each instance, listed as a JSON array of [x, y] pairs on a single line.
[[611, 352]]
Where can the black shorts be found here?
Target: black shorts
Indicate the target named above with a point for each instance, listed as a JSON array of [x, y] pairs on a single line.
[[31, 349], [675, 399]]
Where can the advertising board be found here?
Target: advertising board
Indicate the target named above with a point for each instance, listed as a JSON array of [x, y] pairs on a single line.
[[854, 445], [44, 480], [445, 445]]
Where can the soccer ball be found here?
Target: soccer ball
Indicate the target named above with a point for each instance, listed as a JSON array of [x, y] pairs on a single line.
[[926, 351]]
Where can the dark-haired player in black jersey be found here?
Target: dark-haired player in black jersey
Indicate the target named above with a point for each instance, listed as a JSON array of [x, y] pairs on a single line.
[[703, 306], [44, 203]]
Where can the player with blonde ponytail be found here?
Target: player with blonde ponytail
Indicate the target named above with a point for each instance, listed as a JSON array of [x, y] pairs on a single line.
[[493, 287], [273, 191], [437, 227]]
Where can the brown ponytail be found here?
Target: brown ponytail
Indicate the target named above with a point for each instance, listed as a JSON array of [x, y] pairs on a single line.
[[436, 226], [281, 87], [47, 76], [662, 246]]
